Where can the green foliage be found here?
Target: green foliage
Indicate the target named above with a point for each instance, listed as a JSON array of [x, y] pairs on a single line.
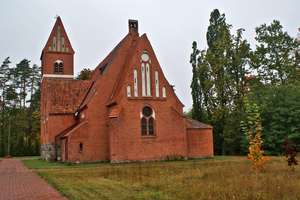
[[227, 70], [189, 114], [280, 111], [219, 82], [19, 108], [275, 56], [195, 85], [84, 74], [252, 128]]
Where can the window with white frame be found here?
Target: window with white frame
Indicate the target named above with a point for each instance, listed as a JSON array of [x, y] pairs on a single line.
[[146, 71]]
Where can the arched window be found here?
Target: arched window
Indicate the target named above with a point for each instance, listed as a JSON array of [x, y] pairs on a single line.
[[147, 121], [146, 79], [61, 67], [58, 67], [144, 126], [151, 126]]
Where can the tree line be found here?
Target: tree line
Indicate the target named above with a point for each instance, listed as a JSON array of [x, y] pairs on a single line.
[[19, 108], [228, 71]]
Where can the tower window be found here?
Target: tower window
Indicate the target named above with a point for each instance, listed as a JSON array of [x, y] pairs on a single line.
[[147, 122], [58, 67], [61, 67]]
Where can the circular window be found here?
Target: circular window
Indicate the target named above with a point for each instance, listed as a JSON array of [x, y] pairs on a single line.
[[147, 111], [145, 57]]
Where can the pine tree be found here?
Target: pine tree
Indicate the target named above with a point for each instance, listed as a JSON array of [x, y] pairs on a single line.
[[4, 89]]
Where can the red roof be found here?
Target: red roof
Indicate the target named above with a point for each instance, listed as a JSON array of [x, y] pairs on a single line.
[[58, 23], [191, 124], [66, 95], [99, 71]]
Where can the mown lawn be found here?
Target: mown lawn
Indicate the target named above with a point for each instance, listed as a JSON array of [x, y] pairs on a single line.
[[218, 178]]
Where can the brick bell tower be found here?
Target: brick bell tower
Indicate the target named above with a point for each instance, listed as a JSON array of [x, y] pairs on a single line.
[[58, 55], [57, 61]]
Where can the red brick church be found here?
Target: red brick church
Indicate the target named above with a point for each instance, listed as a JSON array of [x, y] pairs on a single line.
[[127, 111]]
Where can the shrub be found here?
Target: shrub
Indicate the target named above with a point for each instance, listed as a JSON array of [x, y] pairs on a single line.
[[252, 128], [290, 153], [174, 157]]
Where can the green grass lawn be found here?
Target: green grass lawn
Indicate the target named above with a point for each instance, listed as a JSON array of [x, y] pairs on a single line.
[[218, 178]]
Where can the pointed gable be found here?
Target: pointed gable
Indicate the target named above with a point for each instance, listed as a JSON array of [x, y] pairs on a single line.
[[164, 88], [142, 75], [58, 40]]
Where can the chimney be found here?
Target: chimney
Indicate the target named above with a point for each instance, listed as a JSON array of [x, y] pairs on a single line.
[[133, 26]]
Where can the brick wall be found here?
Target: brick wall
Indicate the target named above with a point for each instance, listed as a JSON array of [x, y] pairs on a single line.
[[200, 143]]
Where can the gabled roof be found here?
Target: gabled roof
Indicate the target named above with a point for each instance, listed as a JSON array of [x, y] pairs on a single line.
[[109, 58], [58, 23], [121, 76], [69, 130], [99, 71], [194, 124], [66, 95]]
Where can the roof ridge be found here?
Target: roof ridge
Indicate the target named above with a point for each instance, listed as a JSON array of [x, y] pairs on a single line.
[[134, 44], [110, 55], [70, 129], [196, 124], [85, 96], [108, 59]]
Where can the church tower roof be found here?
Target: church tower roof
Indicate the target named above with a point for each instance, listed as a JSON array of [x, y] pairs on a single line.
[[58, 41]]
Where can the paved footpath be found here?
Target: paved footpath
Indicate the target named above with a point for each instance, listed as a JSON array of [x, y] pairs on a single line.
[[19, 183]]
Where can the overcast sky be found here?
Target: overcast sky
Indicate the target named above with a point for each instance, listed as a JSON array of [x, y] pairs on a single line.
[[96, 26]]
